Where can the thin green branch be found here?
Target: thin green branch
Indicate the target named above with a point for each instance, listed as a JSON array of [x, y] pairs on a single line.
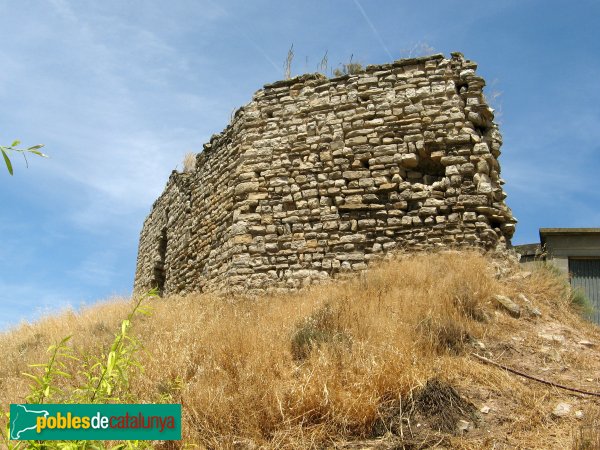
[[35, 150]]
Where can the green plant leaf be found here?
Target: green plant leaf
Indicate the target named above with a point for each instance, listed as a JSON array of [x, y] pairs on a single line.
[[33, 377], [124, 326], [35, 152], [64, 374], [111, 363], [7, 161], [15, 143]]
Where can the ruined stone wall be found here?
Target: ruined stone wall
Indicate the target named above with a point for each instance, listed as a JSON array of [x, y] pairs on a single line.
[[185, 240], [316, 176]]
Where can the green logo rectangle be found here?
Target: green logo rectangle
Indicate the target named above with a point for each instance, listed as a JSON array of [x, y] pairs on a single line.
[[67, 422]]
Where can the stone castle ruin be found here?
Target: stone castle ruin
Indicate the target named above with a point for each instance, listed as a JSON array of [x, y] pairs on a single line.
[[317, 176]]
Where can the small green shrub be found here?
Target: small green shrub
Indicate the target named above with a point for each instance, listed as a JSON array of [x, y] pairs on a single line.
[[45, 387], [574, 297], [558, 279], [106, 381], [581, 302], [551, 269], [351, 68]]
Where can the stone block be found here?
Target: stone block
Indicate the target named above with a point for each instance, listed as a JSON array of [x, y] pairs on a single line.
[[410, 160], [244, 188]]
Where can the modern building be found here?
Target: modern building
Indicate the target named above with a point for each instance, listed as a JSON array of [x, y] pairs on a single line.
[[575, 252]]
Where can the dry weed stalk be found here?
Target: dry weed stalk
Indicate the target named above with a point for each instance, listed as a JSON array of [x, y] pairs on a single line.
[[287, 66], [189, 162]]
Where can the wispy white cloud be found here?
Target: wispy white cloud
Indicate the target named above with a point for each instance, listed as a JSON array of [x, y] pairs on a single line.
[[222, 12], [98, 268], [375, 32], [263, 52], [114, 153], [117, 187], [30, 302], [64, 10], [109, 97]]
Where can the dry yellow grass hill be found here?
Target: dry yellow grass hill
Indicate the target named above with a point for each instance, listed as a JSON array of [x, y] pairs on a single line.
[[384, 359]]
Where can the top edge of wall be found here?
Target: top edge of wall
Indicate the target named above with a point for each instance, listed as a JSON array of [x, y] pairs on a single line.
[[239, 112], [368, 69]]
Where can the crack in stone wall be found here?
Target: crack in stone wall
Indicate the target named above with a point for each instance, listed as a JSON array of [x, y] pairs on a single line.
[[317, 176]]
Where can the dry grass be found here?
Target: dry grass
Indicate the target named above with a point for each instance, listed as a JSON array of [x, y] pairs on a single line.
[[324, 365], [189, 162], [587, 435]]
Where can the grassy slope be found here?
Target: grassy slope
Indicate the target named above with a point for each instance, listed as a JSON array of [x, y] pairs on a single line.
[[247, 374]]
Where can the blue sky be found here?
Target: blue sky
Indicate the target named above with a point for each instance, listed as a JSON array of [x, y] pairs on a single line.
[[119, 91]]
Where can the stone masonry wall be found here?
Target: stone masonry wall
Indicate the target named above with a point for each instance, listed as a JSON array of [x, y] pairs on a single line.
[[316, 176]]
